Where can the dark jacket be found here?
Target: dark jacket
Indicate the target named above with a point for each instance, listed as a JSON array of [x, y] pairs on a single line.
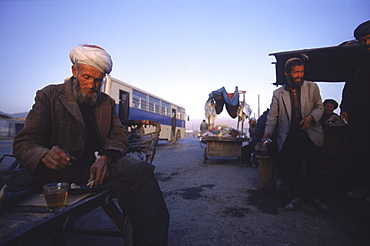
[[56, 119], [356, 102]]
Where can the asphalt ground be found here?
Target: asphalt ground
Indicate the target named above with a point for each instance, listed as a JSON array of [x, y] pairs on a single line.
[[219, 203]]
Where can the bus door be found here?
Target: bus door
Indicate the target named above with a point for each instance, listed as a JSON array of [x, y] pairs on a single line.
[[124, 99], [173, 126]]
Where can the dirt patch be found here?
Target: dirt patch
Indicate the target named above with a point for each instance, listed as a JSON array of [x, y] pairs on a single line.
[[161, 176], [236, 212], [191, 193]]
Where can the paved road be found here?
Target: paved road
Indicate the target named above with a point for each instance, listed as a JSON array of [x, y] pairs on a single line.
[[6, 148], [218, 203]]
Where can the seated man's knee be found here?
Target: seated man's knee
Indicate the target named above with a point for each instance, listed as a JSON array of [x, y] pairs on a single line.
[[131, 171]]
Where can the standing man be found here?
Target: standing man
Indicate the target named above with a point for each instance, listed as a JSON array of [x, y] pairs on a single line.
[[203, 127], [69, 122], [248, 150], [252, 126], [355, 111], [329, 116], [295, 111]]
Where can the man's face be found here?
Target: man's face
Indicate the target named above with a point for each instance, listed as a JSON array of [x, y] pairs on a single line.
[[252, 123], [329, 108], [295, 76], [88, 78], [365, 42]]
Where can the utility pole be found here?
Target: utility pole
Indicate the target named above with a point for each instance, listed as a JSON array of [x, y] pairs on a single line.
[[259, 105]]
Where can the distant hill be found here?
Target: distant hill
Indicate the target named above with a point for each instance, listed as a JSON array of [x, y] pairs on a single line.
[[16, 115]]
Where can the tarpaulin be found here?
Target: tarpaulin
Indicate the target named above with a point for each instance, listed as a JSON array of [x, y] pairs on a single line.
[[221, 97]]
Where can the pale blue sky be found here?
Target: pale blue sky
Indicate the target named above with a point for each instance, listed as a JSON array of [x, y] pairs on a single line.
[[180, 50]]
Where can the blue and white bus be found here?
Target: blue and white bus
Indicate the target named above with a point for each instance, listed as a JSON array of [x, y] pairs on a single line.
[[135, 104]]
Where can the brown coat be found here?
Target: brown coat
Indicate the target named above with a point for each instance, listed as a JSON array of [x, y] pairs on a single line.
[[55, 119]]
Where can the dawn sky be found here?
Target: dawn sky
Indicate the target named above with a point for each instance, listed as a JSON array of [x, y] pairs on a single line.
[[180, 50]]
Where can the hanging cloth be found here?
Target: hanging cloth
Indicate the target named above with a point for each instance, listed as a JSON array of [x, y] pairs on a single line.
[[231, 100]]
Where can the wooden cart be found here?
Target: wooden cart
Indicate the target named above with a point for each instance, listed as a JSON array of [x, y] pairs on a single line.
[[222, 146]]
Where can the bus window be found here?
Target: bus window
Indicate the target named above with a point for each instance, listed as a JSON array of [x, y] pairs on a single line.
[[153, 105], [165, 109], [139, 100]]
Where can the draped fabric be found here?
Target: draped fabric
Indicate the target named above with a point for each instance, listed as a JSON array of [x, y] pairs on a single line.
[[210, 112], [230, 100]]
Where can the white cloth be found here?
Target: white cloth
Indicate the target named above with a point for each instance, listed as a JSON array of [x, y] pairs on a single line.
[[210, 112], [92, 55]]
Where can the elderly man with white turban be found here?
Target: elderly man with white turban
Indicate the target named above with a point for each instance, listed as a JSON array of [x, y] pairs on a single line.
[[355, 108], [68, 123]]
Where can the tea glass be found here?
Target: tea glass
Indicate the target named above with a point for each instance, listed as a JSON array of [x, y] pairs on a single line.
[[55, 195]]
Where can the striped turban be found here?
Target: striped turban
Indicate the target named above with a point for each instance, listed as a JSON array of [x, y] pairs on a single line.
[[92, 55]]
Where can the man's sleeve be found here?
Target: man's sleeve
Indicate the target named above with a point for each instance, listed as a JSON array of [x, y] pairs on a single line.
[[30, 144], [318, 109], [117, 142], [272, 115]]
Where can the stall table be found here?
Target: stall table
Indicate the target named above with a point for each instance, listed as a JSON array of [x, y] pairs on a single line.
[[222, 146]]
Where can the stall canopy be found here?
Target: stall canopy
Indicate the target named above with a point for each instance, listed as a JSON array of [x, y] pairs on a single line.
[[328, 64], [231, 101]]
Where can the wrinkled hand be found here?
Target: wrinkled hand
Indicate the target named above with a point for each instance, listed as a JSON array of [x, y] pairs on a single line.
[[99, 170], [344, 118], [306, 122], [57, 159]]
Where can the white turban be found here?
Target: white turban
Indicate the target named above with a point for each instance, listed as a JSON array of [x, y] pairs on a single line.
[[92, 55]]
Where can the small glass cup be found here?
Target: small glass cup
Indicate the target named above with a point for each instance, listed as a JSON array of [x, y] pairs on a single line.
[[55, 195]]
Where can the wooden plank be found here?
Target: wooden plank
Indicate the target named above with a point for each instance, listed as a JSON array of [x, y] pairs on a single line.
[[265, 174], [217, 148]]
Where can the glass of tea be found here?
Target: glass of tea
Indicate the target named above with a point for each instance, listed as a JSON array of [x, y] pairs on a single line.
[[55, 195]]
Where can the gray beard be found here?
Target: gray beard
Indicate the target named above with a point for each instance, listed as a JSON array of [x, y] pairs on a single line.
[[84, 98]]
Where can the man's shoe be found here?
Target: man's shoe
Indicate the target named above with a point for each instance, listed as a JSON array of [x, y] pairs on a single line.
[[319, 205], [292, 206]]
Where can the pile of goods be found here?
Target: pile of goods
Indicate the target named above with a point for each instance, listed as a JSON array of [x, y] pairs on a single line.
[[221, 131]]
